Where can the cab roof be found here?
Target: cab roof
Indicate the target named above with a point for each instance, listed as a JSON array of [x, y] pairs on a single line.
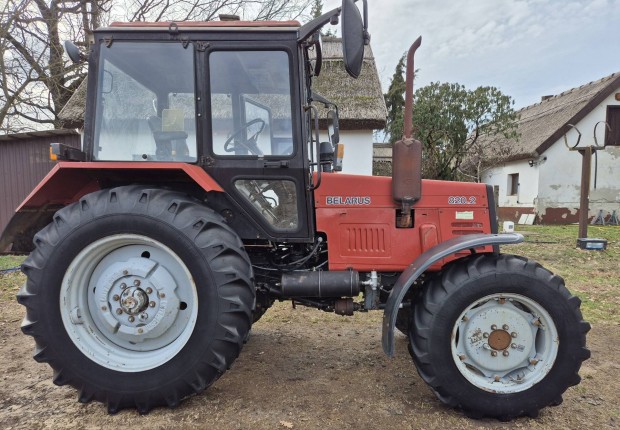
[[196, 25]]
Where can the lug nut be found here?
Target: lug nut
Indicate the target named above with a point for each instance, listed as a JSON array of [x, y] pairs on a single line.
[[462, 357], [140, 331], [125, 272], [493, 327], [144, 316], [513, 334], [149, 290], [502, 301], [162, 295], [513, 346], [506, 353], [465, 318], [116, 297], [485, 335], [533, 361], [136, 283], [152, 304], [493, 353], [131, 319], [104, 308], [497, 378], [119, 311], [505, 327], [124, 286]]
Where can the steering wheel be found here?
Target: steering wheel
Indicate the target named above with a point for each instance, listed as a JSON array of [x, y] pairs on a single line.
[[251, 143]]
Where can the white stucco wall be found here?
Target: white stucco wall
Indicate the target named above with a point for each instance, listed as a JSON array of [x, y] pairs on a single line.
[[528, 183], [560, 178], [357, 151]]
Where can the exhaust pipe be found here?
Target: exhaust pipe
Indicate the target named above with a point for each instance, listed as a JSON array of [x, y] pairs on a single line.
[[407, 153]]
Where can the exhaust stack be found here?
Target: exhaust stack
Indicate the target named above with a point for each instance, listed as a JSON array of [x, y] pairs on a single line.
[[407, 153]]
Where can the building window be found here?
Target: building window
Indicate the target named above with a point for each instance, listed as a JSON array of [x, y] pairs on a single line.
[[612, 136], [513, 184]]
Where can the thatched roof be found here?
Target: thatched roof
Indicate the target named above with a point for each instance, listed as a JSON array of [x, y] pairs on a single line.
[[542, 124], [360, 101], [72, 113]]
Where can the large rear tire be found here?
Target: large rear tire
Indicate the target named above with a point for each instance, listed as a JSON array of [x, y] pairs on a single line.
[[498, 336], [137, 297]]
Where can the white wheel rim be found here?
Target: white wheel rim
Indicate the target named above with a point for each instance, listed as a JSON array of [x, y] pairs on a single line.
[[128, 302], [504, 343]]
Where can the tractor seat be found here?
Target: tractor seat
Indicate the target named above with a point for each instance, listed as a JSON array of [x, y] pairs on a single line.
[[170, 145]]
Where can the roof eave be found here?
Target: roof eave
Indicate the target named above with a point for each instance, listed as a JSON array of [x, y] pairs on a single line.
[[588, 107]]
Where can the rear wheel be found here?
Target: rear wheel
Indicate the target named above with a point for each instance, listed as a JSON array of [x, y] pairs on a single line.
[[137, 297], [498, 336]]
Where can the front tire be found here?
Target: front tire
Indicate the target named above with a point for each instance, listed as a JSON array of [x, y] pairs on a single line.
[[498, 336], [137, 297]]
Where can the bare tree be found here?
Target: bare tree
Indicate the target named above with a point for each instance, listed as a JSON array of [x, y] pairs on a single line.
[[36, 79]]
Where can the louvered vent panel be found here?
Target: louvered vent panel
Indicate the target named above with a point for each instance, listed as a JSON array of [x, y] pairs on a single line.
[[464, 227], [364, 240]]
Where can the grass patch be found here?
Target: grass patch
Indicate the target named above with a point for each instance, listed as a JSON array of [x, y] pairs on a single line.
[[11, 282], [594, 276]]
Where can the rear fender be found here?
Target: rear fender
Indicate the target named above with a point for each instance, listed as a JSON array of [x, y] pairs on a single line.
[[421, 264], [67, 182]]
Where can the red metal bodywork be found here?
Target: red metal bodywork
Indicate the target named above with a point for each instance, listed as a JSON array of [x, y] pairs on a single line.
[[362, 234], [68, 181]]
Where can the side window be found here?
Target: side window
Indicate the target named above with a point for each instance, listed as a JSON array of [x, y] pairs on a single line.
[[274, 199], [251, 111], [145, 103]]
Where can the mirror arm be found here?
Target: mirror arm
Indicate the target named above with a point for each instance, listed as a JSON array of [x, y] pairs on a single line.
[[311, 27]]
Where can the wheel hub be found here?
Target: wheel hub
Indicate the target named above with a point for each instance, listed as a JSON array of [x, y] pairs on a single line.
[[499, 340], [137, 302], [134, 300]]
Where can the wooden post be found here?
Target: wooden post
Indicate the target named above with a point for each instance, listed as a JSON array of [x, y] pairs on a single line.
[[585, 191]]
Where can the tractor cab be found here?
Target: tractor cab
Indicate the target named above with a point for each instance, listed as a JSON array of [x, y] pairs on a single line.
[[233, 97]]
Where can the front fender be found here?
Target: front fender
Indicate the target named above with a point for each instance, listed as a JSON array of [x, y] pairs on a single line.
[[423, 262]]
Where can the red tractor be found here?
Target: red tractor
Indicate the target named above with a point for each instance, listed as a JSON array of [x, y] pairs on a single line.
[[203, 194]]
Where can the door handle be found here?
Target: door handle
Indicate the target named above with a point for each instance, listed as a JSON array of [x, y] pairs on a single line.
[[276, 164]]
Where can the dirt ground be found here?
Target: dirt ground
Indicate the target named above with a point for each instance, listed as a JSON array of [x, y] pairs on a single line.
[[301, 369]]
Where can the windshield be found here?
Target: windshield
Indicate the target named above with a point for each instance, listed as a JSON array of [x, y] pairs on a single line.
[[145, 103]]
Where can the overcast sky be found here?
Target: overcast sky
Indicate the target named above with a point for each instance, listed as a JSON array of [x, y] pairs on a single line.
[[526, 48]]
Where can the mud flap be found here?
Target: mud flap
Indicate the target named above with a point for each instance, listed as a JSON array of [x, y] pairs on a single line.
[[423, 262]]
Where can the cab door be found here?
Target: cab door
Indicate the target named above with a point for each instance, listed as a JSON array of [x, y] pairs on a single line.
[[253, 137]]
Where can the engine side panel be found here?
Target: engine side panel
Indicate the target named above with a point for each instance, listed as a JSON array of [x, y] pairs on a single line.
[[358, 216]]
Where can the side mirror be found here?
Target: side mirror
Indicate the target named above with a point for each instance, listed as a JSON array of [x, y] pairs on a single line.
[[354, 36], [333, 130], [74, 52]]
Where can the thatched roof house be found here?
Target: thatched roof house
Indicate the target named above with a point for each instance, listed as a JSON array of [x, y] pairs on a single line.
[[542, 124], [541, 175]]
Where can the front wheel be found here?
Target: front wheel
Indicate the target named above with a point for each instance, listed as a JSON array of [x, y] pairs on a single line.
[[137, 297], [498, 336]]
